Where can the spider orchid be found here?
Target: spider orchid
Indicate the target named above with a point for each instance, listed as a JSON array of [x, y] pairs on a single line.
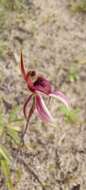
[[39, 86]]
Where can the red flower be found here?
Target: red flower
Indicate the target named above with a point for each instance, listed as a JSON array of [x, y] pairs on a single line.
[[39, 87]]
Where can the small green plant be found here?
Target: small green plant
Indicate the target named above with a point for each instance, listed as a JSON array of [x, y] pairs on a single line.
[[7, 3], [5, 160], [70, 116], [78, 6], [72, 74], [12, 5], [3, 48], [3, 16], [9, 131]]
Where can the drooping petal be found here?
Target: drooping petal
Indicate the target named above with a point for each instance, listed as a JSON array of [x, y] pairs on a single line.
[[25, 105], [42, 110], [31, 110], [60, 96], [42, 85]]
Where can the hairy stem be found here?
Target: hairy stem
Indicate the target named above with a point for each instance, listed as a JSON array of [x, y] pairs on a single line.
[[25, 130], [31, 171]]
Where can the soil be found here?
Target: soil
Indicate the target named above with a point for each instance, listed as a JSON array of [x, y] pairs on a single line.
[[53, 40]]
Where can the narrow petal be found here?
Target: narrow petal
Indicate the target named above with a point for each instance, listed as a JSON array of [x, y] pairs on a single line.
[[60, 96], [25, 105], [26, 75], [22, 66], [42, 110]]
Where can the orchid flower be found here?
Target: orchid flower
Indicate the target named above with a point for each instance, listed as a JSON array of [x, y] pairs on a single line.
[[39, 86]]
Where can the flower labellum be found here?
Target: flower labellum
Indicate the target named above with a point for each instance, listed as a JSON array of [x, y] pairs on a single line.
[[39, 86]]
